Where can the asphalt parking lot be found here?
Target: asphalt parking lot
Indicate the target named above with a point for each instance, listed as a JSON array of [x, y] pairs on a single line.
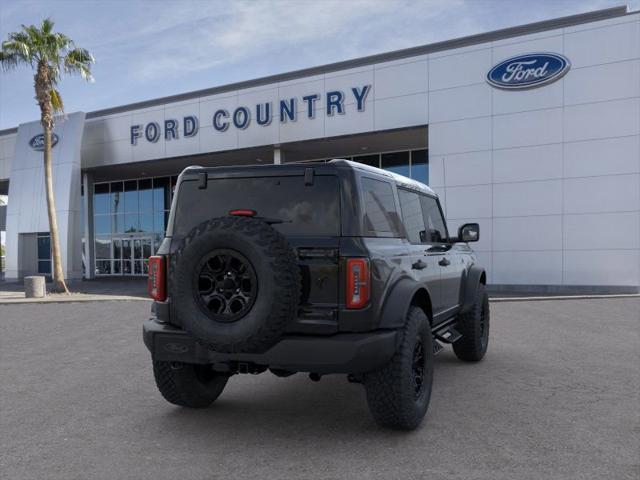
[[558, 396]]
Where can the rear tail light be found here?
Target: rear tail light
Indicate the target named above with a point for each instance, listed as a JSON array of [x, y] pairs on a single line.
[[157, 278], [358, 282], [242, 212]]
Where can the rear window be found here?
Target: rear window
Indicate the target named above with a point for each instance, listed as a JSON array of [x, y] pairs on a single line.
[[380, 215], [304, 209]]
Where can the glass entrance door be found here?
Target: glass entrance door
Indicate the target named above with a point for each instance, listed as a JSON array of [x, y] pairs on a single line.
[[131, 255]]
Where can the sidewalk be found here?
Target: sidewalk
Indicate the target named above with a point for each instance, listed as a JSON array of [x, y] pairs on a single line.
[[103, 289]]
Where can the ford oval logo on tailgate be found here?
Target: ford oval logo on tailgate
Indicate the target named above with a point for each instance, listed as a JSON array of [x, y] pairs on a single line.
[[37, 142], [528, 71]]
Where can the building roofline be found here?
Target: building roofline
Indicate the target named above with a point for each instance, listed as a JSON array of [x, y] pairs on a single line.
[[494, 35]]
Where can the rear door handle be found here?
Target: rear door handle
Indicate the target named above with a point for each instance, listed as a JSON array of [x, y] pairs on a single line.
[[419, 265], [444, 262]]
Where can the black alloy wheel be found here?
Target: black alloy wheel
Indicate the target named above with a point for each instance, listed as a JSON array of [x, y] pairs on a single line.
[[226, 285]]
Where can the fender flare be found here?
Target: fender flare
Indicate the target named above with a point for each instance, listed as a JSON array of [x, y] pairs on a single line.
[[399, 299], [474, 277]]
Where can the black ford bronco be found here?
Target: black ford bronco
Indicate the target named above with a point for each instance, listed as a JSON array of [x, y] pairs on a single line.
[[323, 268]]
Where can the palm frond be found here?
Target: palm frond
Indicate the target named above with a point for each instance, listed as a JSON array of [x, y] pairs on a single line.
[[79, 61], [56, 101], [9, 61], [47, 26]]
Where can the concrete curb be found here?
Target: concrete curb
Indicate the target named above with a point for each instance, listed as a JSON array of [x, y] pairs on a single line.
[[561, 297], [72, 299]]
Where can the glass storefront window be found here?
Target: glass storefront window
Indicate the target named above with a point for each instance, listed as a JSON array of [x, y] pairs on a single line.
[[131, 223], [130, 218], [146, 222], [145, 195], [397, 162], [116, 198], [101, 198], [420, 166], [372, 160], [103, 248], [161, 194], [131, 203], [102, 224], [44, 253]]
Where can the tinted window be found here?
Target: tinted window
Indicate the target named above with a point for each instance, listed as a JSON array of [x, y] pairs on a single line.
[[304, 209], [436, 229], [397, 162], [380, 215], [412, 215], [420, 166]]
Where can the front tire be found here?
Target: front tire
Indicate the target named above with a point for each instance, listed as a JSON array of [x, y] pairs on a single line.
[[474, 327], [398, 394], [188, 385]]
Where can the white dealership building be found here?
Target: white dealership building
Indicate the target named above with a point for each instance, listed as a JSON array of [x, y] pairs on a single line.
[[532, 131]]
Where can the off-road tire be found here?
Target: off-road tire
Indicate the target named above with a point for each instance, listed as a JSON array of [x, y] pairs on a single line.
[[277, 276], [188, 385], [391, 393], [474, 327]]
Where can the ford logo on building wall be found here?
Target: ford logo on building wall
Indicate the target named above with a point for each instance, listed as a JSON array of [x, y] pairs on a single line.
[[528, 71], [37, 142]]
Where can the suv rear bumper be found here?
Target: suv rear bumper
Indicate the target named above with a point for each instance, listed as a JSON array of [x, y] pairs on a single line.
[[340, 353]]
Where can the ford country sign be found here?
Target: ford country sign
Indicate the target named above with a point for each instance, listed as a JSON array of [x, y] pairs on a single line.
[[528, 71], [37, 142]]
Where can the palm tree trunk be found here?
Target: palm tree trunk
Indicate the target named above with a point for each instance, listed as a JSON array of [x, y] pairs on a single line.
[[59, 284]]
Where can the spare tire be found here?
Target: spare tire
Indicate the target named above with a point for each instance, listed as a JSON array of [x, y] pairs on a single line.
[[235, 284]]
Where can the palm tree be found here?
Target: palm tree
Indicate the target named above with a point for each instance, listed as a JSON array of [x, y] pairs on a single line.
[[49, 54]]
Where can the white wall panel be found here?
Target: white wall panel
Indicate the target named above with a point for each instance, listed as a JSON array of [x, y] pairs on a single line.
[[616, 193], [117, 127], [351, 122], [303, 129], [527, 268], [472, 201], [212, 140], [398, 80], [547, 41], [549, 96], [460, 136], [602, 267], [94, 132], [459, 103], [602, 231], [401, 112], [527, 233], [603, 45], [601, 120], [117, 152], [7, 146], [527, 198], [527, 128], [485, 260], [602, 82], [608, 156], [471, 168], [456, 70], [540, 162]]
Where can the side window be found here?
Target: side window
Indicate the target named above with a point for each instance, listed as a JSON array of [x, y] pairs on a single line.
[[412, 216], [436, 228], [380, 215]]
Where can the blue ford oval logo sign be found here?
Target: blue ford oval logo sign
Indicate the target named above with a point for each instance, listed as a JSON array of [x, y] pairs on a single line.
[[37, 142], [528, 71]]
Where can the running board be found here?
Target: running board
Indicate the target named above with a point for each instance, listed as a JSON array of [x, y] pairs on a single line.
[[447, 335], [437, 348]]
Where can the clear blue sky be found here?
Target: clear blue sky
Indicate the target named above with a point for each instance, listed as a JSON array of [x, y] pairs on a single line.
[[149, 49]]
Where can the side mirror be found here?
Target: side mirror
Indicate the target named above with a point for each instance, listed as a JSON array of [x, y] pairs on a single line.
[[469, 232]]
